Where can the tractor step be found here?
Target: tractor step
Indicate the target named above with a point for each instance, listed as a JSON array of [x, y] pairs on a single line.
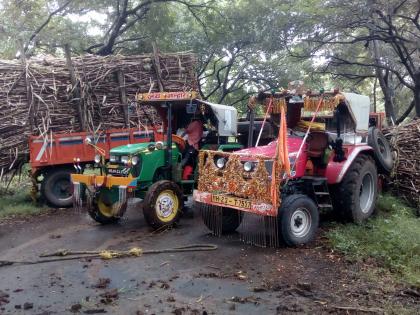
[[187, 181], [324, 205], [320, 191]]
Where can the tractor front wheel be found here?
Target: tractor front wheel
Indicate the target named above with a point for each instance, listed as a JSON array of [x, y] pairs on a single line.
[[162, 204], [298, 220], [230, 219], [103, 207]]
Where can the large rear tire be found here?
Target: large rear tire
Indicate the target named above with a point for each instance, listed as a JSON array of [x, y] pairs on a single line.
[[162, 204], [356, 195], [231, 219], [298, 220], [56, 188]]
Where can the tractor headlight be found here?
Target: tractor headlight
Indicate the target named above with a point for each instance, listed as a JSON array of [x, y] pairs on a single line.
[[113, 158], [97, 159], [248, 166], [159, 145], [220, 163], [134, 160], [124, 159]]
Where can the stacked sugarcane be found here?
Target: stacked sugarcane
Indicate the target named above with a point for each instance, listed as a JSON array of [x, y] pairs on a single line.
[[49, 95], [405, 177]]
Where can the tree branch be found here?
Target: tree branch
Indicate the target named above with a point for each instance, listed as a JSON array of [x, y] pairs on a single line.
[[41, 27]]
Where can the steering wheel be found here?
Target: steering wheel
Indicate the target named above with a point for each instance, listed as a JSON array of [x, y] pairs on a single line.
[[179, 141]]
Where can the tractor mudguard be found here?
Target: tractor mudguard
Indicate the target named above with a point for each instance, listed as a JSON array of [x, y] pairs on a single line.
[[336, 170]]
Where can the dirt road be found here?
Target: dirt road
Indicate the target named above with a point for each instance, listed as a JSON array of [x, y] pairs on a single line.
[[234, 279]]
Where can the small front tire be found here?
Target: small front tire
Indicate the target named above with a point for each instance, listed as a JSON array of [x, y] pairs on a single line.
[[298, 220]]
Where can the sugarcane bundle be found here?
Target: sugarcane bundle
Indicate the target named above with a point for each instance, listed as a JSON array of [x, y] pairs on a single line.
[[48, 95], [405, 177]]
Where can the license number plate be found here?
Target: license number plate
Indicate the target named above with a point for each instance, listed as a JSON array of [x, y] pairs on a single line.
[[231, 201]]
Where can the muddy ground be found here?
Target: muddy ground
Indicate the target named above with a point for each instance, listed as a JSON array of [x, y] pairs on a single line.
[[234, 279]]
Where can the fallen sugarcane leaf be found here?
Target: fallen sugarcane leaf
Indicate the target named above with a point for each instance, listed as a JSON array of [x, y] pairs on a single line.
[[107, 254], [358, 308]]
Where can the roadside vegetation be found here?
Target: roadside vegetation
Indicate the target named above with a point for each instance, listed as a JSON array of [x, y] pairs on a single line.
[[16, 200], [391, 239]]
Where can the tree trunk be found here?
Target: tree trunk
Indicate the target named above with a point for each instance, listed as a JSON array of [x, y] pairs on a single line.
[[389, 102], [406, 113], [374, 94], [417, 92]]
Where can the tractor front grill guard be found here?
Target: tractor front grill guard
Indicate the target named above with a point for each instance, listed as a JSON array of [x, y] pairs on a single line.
[[84, 197], [232, 179]]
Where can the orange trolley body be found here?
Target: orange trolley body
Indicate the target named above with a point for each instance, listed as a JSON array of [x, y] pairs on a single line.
[[53, 157]]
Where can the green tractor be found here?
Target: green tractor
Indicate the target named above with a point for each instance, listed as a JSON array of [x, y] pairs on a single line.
[[161, 172]]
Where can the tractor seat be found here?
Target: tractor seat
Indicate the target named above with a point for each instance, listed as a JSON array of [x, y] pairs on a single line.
[[316, 142]]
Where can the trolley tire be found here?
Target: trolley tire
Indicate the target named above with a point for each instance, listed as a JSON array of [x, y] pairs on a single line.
[[57, 196]]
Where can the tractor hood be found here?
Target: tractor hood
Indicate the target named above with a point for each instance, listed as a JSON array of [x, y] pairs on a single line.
[[130, 149], [269, 150]]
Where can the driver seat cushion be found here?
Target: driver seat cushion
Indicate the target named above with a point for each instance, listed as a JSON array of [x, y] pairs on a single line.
[[317, 142]]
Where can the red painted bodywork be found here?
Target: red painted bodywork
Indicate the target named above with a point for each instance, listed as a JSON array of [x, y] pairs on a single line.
[[335, 171], [63, 148], [293, 145]]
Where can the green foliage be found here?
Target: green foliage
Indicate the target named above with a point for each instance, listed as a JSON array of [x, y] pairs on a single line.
[[391, 238], [243, 46], [18, 202]]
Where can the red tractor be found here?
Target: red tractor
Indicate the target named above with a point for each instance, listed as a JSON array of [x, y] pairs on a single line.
[[328, 155]]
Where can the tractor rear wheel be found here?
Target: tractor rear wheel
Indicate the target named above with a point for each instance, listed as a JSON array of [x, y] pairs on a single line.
[[356, 195], [298, 220], [56, 188], [162, 204], [103, 206], [231, 219]]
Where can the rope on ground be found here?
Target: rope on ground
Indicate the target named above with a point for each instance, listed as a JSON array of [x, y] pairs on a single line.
[[63, 254]]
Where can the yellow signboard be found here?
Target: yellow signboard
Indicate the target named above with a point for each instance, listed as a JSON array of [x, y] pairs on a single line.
[[167, 96]]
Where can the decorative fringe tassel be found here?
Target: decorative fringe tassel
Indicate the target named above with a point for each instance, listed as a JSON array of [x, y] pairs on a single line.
[[77, 197], [121, 205], [259, 230], [253, 229], [212, 217], [329, 103]]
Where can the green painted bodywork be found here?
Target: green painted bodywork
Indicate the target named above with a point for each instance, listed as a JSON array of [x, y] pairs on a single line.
[[151, 166], [150, 162], [228, 147], [130, 149]]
